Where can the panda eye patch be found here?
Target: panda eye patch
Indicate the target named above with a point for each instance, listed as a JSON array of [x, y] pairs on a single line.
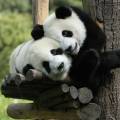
[[58, 51], [67, 33], [46, 66]]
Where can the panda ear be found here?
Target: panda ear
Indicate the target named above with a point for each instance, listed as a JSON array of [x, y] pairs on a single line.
[[37, 32], [63, 12]]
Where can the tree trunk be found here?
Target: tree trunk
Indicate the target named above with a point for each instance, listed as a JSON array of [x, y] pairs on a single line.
[[108, 12], [40, 11]]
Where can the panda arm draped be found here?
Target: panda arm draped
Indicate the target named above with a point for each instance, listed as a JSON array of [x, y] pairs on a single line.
[[84, 69], [110, 59], [95, 36]]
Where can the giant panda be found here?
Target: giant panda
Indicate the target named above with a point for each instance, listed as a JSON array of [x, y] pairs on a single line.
[[44, 55], [80, 37], [73, 29]]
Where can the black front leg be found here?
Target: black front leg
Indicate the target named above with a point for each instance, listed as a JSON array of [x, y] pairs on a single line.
[[84, 71], [110, 59], [27, 68]]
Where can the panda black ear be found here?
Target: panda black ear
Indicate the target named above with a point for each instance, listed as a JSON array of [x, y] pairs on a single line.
[[63, 12], [37, 32]]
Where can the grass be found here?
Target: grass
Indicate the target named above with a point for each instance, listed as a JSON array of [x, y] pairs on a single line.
[[4, 102]]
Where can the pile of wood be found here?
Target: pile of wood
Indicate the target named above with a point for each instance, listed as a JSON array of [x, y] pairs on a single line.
[[51, 99], [35, 87]]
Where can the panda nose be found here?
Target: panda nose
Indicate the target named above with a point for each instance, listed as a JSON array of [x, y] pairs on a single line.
[[69, 49], [60, 67]]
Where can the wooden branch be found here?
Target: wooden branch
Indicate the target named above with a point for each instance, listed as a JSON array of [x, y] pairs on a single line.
[[40, 11], [91, 111], [31, 111]]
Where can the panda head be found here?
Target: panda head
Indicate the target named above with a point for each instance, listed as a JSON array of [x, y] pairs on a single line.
[[47, 57], [66, 27]]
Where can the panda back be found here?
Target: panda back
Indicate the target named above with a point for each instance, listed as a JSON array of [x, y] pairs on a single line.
[[19, 57]]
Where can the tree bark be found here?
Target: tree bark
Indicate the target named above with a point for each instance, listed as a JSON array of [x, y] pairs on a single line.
[[108, 12], [40, 11]]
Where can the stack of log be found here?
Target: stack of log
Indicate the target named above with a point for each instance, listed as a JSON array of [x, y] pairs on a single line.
[[51, 98], [33, 87]]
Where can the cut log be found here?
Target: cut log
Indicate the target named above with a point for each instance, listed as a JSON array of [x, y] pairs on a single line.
[[65, 88], [85, 95], [31, 111], [73, 92], [92, 111]]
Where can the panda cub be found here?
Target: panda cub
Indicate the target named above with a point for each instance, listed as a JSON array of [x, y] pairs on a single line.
[[80, 37], [44, 55]]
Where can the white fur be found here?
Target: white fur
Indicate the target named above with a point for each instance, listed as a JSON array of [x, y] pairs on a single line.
[[67, 41], [53, 28], [34, 53]]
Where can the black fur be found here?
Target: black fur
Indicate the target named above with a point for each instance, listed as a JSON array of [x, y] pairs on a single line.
[[67, 33], [83, 70], [95, 36], [110, 59], [60, 66], [63, 12], [69, 50], [26, 68], [58, 51], [37, 32], [46, 66]]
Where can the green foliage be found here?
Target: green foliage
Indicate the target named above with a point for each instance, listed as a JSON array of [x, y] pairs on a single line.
[[15, 5], [4, 102], [56, 3], [14, 29]]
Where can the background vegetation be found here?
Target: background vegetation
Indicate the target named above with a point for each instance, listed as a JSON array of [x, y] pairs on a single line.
[[15, 27]]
